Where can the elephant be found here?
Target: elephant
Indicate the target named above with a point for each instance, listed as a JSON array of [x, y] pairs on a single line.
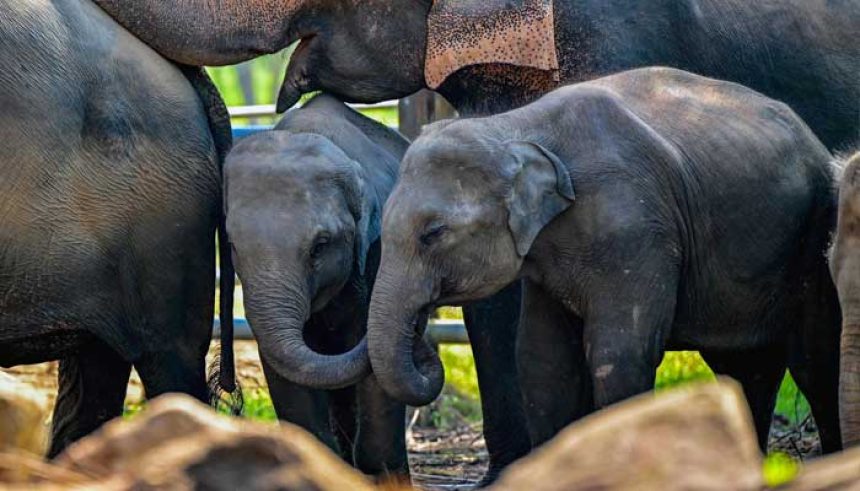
[[649, 210], [303, 208], [490, 56], [843, 263], [110, 197]]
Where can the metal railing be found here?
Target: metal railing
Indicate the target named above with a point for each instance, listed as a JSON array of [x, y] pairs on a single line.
[[264, 110], [438, 331]]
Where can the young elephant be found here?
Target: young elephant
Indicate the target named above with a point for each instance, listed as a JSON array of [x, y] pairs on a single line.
[[303, 215], [646, 211], [844, 265]]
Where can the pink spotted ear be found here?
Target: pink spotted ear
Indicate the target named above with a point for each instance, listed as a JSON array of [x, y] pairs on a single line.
[[461, 33]]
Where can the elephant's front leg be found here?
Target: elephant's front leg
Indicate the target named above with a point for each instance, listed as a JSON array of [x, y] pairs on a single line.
[[551, 364], [380, 445], [492, 326], [625, 335], [308, 408]]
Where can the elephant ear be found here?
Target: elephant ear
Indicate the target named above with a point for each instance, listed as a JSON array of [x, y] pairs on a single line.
[[365, 209], [541, 189], [461, 33]]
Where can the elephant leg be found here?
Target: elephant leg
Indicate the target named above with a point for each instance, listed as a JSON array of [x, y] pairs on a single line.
[[173, 371], [380, 446], [759, 372], [343, 420], [814, 363], [92, 391], [492, 327], [625, 335], [308, 408], [551, 365]]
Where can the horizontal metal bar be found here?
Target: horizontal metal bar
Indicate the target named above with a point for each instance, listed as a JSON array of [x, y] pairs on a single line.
[[263, 110], [438, 331]]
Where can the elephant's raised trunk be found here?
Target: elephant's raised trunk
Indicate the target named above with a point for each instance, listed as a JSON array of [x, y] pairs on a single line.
[[277, 317], [849, 383], [206, 32], [404, 364]]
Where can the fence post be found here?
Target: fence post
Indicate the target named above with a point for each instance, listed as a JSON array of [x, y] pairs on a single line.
[[422, 108]]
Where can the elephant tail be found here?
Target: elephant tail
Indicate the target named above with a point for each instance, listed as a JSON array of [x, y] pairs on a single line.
[[222, 382], [223, 386]]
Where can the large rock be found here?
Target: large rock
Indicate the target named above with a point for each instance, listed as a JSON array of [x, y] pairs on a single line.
[[837, 472], [178, 443], [23, 417], [700, 437]]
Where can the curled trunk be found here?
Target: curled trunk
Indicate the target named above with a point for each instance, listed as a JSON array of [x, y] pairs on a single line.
[[849, 384], [206, 32], [278, 319], [406, 367]]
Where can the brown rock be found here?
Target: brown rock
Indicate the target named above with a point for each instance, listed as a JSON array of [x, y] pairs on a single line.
[[835, 473], [700, 437], [177, 443], [23, 417]]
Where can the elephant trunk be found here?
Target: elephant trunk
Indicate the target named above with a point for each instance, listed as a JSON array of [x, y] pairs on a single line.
[[277, 317], [406, 367], [203, 32], [849, 383]]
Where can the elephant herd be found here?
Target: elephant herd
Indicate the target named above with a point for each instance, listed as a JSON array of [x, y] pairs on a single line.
[[626, 178]]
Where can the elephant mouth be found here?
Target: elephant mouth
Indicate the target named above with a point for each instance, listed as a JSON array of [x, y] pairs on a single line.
[[296, 80], [304, 44]]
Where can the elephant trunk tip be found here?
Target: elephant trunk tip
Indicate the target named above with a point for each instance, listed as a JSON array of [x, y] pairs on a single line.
[[288, 96], [414, 376]]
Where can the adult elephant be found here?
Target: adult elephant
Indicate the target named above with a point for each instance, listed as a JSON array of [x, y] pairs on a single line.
[[109, 201], [488, 56]]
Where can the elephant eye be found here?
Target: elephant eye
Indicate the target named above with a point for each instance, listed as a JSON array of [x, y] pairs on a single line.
[[433, 234], [319, 246]]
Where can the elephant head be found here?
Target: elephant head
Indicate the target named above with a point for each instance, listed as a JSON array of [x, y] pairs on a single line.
[[359, 50], [845, 268], [456, 228], [300, 219]]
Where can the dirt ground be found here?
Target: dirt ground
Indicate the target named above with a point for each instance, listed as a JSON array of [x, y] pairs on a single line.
[[440, 459]]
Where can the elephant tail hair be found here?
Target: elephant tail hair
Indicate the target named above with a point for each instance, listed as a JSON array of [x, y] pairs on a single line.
[[222, 372], [233, 401]]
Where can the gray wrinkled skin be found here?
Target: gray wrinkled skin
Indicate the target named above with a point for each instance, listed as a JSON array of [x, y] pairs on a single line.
[[646, 211], [304, 205], [109, 199]]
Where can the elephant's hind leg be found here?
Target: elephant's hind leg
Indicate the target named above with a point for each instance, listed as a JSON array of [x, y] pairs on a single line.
[[814, 364], [92, 391], [760, 372]]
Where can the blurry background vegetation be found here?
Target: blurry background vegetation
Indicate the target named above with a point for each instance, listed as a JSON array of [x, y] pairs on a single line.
[[257, 82]]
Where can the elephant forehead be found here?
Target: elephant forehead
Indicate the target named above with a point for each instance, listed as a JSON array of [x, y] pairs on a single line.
[[461, 33]]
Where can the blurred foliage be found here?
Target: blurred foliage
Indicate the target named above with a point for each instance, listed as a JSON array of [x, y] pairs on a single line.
[[779, 468], [449, 313], [258, 406]]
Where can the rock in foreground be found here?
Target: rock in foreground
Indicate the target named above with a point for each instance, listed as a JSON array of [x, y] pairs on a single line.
[[177, 443], [700, 437], [23, 416]]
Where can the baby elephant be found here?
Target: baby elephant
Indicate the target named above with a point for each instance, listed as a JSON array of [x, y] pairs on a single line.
[[303, 209], [845, 264], [649, 210]]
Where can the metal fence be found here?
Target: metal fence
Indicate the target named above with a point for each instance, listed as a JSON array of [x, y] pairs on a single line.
[[438, 331]]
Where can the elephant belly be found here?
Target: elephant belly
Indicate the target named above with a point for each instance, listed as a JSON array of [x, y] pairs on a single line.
[[23, 345], [732, 317]]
